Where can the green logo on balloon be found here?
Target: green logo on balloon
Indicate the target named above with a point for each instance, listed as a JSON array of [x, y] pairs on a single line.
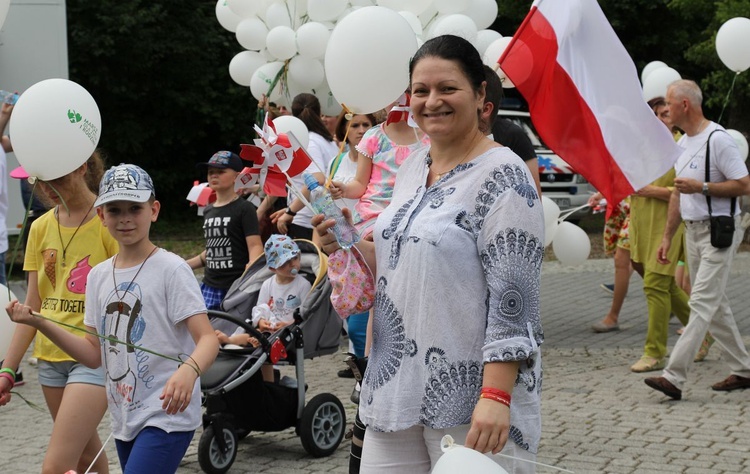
[[74, 116]]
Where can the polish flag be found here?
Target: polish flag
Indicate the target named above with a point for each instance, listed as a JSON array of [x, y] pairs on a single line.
[[585, 98]]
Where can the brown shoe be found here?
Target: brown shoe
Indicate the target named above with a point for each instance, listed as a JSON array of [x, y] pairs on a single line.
[[733, 382], [664, 386]]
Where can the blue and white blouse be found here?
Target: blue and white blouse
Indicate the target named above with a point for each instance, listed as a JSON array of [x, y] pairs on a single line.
[[458, 277]]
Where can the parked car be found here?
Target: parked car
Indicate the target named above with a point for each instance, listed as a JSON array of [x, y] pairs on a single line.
[[559, 180]]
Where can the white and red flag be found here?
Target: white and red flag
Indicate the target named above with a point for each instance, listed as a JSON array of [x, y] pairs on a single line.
[[585, 98], [276, 158]]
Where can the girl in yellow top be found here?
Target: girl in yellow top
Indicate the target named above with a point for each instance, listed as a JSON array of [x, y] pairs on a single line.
[[64, 244]]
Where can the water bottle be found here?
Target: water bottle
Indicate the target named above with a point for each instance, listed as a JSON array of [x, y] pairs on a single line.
[[322, 202], [9, 98]]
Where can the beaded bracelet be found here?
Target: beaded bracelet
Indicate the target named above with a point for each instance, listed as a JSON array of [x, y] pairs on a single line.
[[10, 371], [6, 375], [490, 396]]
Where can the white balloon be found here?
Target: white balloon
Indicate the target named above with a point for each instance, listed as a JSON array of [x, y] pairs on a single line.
[[328, 103], [551, 214], [55, 127], [281, 42], [417, 6], [243, 8], [251, 33], [428, 16], [413, 20], [571, 244], [448, 7], [485, 38], [263, 77], [493, 53], [286, 123], [732, 42], [312, 39], [651, 67], [362, 31], [277, 15], [306, 72], [7, 327], [657, 82], [458, 25], [4, 7], [483, 12], [243, 65], [227, 18], [323, 10], [345, 13], [741, 142], [395, 5], [457, 458]]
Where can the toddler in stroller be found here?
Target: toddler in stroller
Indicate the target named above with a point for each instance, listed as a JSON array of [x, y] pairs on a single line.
[[238, 399]]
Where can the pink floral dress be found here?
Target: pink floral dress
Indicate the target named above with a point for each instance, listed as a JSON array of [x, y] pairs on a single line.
[[386, 157]]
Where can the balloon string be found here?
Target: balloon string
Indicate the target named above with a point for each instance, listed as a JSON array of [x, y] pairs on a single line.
[[726, 101], [533, 462], [99, 453], [349, 116], [570, 212], [106, 338], [29, 402]]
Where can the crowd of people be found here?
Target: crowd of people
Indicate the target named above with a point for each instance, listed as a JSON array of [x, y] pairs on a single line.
[[443, 190]]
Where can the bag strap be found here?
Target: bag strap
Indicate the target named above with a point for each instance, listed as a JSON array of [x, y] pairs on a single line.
[[708, 176]]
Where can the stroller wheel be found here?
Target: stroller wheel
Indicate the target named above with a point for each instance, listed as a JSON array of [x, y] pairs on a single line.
[[215, 455], [322, 425]]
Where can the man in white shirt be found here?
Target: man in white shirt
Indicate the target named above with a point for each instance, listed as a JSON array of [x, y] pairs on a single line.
[[709, 266]]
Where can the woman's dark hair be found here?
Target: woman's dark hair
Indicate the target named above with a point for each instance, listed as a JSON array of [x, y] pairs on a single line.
[[306, 107], [656, 102], [453, 48], [342, 123]]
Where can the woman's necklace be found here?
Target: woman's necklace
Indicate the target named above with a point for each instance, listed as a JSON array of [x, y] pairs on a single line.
[[440, 175], [59, 232], [120, 305]]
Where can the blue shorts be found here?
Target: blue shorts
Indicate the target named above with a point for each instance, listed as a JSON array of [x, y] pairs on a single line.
[[153, 450], [213, 296], [60, 374]]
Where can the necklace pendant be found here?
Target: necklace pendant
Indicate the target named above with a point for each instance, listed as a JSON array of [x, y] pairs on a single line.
[[62, 264], [120, 307]]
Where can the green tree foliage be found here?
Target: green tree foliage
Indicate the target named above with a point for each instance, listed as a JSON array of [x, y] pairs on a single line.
[[159, 73]]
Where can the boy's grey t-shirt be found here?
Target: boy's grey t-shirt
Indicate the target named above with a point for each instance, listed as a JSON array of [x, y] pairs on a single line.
[[149, 312]]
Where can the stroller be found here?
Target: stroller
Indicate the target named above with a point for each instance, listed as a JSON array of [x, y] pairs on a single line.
[[234, 389]]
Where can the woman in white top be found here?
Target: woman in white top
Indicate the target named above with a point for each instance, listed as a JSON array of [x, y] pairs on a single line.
[[457, 259]]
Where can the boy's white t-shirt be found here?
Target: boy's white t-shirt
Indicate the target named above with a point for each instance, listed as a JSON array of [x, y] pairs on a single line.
[[151, 313], [283, 299]]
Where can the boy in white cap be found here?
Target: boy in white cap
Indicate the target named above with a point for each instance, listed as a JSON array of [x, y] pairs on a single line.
[[142, 300]]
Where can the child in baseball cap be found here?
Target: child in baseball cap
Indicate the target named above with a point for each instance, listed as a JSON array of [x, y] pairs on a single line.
[[279, 296]]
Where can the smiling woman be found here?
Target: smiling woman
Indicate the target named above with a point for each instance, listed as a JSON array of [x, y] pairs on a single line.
[[467, 206]]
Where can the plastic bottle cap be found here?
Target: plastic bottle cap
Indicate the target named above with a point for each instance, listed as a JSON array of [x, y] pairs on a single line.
[[310, 181]]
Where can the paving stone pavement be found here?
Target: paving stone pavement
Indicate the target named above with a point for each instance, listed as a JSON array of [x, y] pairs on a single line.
[[597, 416]]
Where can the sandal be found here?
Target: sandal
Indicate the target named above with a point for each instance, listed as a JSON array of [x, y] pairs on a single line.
[[600, 327], [708, 341], [647, 364]]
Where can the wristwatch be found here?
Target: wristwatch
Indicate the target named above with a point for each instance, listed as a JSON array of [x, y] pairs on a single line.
[[290, 212], [705, 189]]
